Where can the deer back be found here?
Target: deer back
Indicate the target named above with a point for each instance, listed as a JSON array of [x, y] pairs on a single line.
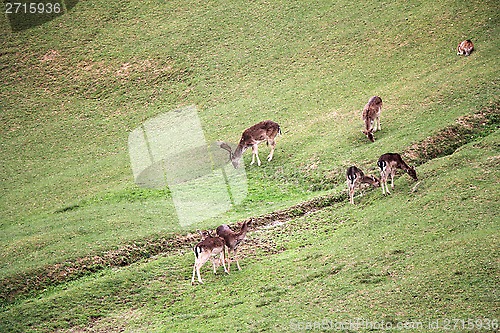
[[259, 132], [209, 244], [353, 174], [465, 47], [391, 161], [372, 108], [232, 238]]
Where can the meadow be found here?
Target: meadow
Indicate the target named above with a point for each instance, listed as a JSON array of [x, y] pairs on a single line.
[[85, 249]]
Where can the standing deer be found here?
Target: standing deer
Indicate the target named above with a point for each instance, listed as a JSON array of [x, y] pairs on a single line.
[[354, 177], [371, 116], [465, 47], [207, 249], [388, 164], [266, 130], [232, 239]]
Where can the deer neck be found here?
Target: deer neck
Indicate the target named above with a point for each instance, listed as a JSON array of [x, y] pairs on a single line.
[[402, 165], [238, 152], [243, 230]]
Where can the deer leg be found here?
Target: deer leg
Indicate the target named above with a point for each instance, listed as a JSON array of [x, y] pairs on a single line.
[[213, 265], [228, 260], [351, 195], [198, 273], [194, 272], [255, 154], [385, 187], [258, 159], [223, 262], [377, 124], [392, 180], [197, 266], [237, 262], [272, 143], [199, 262], [382, 182]]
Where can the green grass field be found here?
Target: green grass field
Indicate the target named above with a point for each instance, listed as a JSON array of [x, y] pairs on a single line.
[[84, 249]]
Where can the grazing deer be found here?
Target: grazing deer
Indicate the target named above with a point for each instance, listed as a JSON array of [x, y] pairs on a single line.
[[266, 130], [354, 177], [232, 239], [388, 164], [465, 47], [371, 116], [207, 249]]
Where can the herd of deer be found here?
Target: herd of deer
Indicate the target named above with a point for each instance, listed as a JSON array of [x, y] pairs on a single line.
[[266, 131]]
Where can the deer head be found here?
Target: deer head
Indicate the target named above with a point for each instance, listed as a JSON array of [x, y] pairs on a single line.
[[369, 134], [374, 181], [235, 157], [413, 174]]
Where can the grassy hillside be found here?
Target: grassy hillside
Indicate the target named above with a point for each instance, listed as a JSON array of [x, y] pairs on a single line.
[[75, 87], [409, 259]]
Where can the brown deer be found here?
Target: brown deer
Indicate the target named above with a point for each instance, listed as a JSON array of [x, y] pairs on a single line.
[[388, 164], [356, 177], [207, 249], [233, 239], [266, 130], [371, 117], [465, 47]]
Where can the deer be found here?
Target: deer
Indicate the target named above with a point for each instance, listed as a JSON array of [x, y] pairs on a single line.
[[266, 130], [208, 248], [354, 177], [232, 240], [388, 164], [371, 117], [465, 47]]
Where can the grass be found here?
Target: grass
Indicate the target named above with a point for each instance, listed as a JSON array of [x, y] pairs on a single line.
[[398, 260], [73, 89]]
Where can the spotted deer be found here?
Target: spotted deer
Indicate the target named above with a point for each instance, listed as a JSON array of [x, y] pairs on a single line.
[[465, 47], [388, 164], [206, 250], [233, 239], [266, 130], [356, 177], [371, 117]]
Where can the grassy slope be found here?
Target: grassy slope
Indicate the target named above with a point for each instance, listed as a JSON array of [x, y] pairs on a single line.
[[65, 120], [309, 67], [411, 257]]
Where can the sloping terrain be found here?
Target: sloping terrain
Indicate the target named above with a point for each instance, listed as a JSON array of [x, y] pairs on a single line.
[[83, 248]]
